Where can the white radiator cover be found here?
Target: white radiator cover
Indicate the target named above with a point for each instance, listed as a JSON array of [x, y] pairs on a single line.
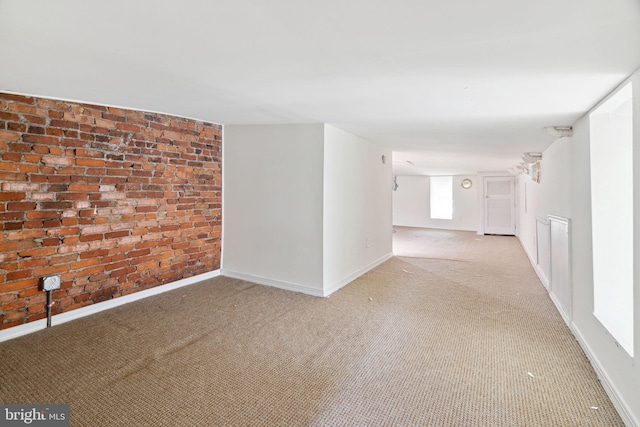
[[560, 256], [543, 249]]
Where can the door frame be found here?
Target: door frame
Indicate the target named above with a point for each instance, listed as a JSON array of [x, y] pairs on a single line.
[[516, 199]]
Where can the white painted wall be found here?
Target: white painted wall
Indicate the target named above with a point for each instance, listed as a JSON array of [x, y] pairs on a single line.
[[565, 190], [411, 204], [306, 207], [549, 197], [273, 207], [357, 207]]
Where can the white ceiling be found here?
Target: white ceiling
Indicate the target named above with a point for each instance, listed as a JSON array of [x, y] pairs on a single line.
[[455, 86]]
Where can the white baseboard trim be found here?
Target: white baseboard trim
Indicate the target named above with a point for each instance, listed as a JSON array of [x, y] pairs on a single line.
[[58, 319], [565, 316], [353, 276], [295, 287], [543, 278], [433, 227], [524, 248], [607, 384], [623, 409], [20, 330], [288, 286]]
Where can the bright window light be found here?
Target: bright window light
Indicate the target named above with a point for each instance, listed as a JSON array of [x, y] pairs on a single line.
[[611, 131], [441, 197]]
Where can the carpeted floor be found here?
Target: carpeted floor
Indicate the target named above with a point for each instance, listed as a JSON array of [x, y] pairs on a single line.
[[456, 330]]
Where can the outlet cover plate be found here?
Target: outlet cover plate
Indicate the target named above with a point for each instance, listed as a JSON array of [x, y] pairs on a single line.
[[50, 283]]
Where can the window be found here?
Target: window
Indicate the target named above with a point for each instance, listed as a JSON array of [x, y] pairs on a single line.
[[441, 197], [611, 132]]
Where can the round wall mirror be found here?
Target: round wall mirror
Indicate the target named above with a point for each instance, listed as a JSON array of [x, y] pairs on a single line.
[[466, 183]]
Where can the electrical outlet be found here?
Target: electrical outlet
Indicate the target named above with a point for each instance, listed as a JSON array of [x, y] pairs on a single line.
[[50, 283], [368, 243]]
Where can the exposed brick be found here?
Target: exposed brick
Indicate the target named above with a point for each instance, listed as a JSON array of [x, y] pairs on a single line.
[[31, 263], [11, 225], [25, 234], [116, 234], [38, 252], [70, 247], [94, 254], [63, 124], [56, 205], [36, 130], [37, 298], [11, 195], [73, 141], [9, 116], [90, 271], [11, 216], [70, 231], [50, 242], [32, 224], [73, 196], [9, 136], [57, 161], [91, 237], [8, 297], [41, 215], [18, 186], [37, 308], [16, 246], [15, 315], [81, 298], [82, 152], [50, 270], [16, 275], [84, 263], [19, 285], [90, 162], [28, 169], [17, 98], [112, 200], [30, 291], [14, 305], [21, 206], [38, 139], [6, 166], [18, 147], [12, 157], [117, 265], [95, 229], [84, 187], [122, 271], [37, 119]]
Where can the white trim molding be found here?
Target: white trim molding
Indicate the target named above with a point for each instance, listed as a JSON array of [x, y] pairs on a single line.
[[30, 327], [329, 289], [280, 284], [614, 395], [305, 289]]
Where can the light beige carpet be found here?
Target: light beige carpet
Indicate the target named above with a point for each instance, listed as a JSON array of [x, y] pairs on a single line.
[[466, 336]]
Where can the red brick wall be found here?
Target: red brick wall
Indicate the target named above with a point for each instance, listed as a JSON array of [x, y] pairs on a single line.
[[113, 200]]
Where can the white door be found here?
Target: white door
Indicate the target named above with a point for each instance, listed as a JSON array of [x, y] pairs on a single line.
[[499, 205]]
